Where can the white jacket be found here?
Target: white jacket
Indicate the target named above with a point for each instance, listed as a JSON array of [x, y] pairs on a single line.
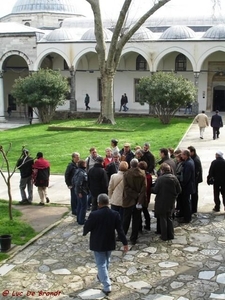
[[202, 120], [115, 189]]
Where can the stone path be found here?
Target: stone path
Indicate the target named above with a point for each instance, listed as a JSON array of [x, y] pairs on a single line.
[[191, 267]]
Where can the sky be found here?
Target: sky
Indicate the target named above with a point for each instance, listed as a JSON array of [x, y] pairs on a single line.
[[110, 8]]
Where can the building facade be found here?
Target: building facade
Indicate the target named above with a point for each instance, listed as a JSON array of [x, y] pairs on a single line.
[[58, 36]]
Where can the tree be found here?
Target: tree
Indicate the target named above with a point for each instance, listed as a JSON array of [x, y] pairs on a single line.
[[8, 175], [166, 92], [43, 90], [109, 60]]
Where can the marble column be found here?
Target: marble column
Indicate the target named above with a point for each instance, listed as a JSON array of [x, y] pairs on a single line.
[[2, 104], [73, 101]]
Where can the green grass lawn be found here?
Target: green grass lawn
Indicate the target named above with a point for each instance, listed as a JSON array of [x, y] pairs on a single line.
[[20, 231], [57, 146]]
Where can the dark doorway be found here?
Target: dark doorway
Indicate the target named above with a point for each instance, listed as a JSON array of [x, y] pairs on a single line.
[[219, 98]]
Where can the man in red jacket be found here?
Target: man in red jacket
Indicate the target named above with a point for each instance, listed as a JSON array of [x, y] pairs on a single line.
[[41, 173]]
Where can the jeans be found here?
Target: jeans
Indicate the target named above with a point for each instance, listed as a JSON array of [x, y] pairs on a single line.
[[81, 209], [102, 260], [73, 201], [26, 182]]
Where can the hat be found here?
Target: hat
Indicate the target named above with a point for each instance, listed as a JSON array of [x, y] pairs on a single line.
[[126, 145], [219, 153]]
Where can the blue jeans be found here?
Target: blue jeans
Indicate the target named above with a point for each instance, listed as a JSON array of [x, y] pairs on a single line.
[[81, 209], [73, 201], [102, 260]]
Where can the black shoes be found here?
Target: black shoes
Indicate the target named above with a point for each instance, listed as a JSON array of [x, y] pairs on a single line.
[[106, 292], [25, 202], [216, 209], [47, 200], [41, 204]]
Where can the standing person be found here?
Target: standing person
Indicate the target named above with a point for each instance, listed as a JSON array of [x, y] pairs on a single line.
[[149, 158], [113, 167], [143, 166], [216, 123], [108, 157], [97, 181], [24, 164], [69, 173], [126, 153], [91, 159], [203, 122], [87, 101], [80, 183], [115, 189], [125, 102], [122, 103], [9, 111], [164, 154], [114, 146], [167, 188], [30, 114], [187, 185], [41, 174], [134, 197], [198, 178], [216, 177], [102, 225]]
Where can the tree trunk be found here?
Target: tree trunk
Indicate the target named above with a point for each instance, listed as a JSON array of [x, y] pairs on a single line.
[[107, 112], [10, 198]]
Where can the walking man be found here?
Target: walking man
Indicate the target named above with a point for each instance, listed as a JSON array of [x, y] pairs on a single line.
[[24, 164], [203, 122], [216, 123], [41, 173], [217, 175], [87, 101], [102, 224]]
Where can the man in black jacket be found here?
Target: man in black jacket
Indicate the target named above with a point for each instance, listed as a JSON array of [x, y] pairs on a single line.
[[24, 164], [70, 171], [217, 172], [198, 178], [102, 225], [149, 158], [97, 181], [216, 123]]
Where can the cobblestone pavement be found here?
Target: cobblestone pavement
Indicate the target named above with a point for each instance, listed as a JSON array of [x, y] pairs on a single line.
[[58, 265]]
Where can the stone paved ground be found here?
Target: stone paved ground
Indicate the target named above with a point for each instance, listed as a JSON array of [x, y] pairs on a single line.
[[191, 267]]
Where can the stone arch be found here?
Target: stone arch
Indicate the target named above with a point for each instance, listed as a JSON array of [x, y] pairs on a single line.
[[81, 54], [170, 50], [17, 53], [207, 53], [137, 50], [46, 52]]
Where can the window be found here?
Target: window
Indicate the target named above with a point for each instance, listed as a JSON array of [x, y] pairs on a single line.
[[141, 63], [99, 90], [181, 63], [136, 93], [11, 102]]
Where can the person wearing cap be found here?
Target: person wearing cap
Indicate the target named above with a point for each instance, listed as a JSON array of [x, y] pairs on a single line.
[[97, 181], [216, 124], [41, 174], [126, 153], [167, 188], [216, 175], [202, 121], [114, 146], [24, 164]]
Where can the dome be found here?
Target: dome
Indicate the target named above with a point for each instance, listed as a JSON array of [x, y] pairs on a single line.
[[89, 35], [56, 6], [178, 32], [142, 33], [79, 21], [215, 32], [61, 34]]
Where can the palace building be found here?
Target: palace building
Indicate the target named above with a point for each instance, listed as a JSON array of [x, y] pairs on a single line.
[[56, 34]]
